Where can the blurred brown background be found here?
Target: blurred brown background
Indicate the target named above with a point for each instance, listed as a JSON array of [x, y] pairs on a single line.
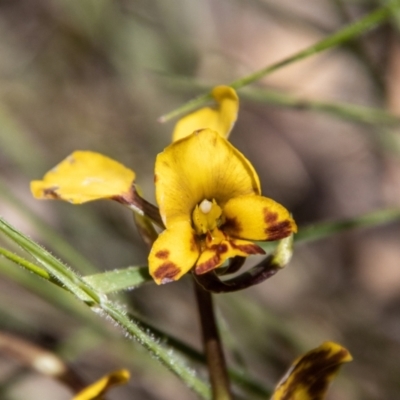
[[96, 75]]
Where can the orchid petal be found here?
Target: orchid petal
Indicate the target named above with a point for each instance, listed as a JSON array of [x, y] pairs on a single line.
[[221, 119], [85, 176], [201, 166], [257, 218], [174, 253]]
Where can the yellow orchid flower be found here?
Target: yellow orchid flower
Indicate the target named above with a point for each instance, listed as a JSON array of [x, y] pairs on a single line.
[[309, 376], [209, 199], [96, 390], [85, 176], [220, 119]]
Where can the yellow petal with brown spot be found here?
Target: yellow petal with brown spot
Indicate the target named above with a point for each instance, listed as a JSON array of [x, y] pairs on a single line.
[[221, 118], [96, 390], [257, 218], [201, 166], [310, 375], [219, 247], [85, 176], [174, 253]]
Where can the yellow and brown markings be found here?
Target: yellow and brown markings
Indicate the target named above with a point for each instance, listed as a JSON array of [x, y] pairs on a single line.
[[232, 225], [51, 193], [216, 251], [276, 229], [311, 374], [247, 248], [167, 272]]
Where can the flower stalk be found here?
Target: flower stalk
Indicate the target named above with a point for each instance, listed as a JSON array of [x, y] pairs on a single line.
[[213, 350]]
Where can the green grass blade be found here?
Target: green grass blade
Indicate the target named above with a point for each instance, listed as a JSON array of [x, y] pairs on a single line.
[[102, 305], [345, 111], [119, 279], [53, 266], [25, 264], [325, 229], [350, 112], [342, 36]]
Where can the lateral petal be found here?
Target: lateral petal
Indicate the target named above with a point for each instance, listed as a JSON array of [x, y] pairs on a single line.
[[201, 166], [84, 176], [174, 253], [257, 218], [221, 118]]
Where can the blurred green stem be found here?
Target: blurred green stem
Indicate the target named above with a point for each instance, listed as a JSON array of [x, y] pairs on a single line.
[[359, 50], [212, 346], [349, 32], [326, 229], [346, 111]]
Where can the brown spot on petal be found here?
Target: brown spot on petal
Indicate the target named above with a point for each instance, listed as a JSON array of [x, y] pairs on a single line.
[[270, 217], [163, 254], [155, 178], [220, 248], [279, 230], [232, 225], [51, 193], [276, 230], [207, 265], [166, 272], [249, 248], [215, 260]]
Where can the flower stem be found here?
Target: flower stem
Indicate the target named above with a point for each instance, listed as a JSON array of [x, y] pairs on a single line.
[[212, 346]]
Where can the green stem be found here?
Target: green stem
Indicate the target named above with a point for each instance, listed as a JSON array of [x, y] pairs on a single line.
[[212, 346], [26, 264], [326, 229], [360, 51], [349, 32], [346, 111], [343, 35], [100, 304]]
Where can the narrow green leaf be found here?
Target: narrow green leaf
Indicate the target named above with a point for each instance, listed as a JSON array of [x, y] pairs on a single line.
[[100, 304], [325, 229], [344, 35], [53, 266], [119, 279], [25, 264], [345, 111]]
